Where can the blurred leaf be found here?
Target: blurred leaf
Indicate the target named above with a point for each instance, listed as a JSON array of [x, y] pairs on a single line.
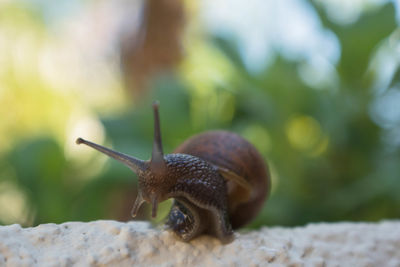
[[230, 50], [358, 40], [40, 167]]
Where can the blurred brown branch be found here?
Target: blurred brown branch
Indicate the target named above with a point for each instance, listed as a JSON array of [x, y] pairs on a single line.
[[157, 46]]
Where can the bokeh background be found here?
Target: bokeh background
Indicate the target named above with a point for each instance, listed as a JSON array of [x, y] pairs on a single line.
[[314, 85]]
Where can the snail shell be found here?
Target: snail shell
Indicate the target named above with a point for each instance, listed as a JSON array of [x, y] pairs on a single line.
[[231, 152]]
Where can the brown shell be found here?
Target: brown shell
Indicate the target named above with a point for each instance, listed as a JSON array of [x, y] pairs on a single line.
[[230, 151]]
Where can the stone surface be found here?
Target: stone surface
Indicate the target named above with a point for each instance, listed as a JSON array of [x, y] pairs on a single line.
[[114, 243]]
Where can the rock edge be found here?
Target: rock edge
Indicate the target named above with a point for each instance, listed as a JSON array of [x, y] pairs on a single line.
[[136, 243]]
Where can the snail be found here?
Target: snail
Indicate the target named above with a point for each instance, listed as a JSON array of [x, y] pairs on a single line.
[[217, 179]]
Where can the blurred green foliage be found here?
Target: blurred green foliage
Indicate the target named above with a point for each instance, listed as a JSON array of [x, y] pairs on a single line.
[[327, 156]]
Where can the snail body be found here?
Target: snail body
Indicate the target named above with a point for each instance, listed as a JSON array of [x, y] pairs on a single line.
[[217, 179]]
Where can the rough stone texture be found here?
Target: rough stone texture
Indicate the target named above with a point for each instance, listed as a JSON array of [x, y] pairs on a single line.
[[114, 243]]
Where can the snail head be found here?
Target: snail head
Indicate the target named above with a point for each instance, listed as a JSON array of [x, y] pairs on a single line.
[[151, 173]]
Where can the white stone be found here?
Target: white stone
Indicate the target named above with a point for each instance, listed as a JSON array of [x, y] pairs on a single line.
[[114, 243]]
